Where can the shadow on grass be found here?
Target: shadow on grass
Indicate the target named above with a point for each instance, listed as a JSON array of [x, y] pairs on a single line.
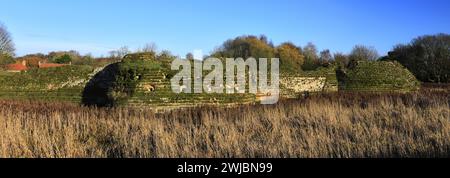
[[96, 92]]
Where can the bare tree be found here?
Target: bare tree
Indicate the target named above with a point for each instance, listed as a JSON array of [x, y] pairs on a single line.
[[325, 56], [310, 51], [363, 53], [123, 51], [6, 43], [341, 59], [150, 47], [112, 54], [311, 58], [165, 54], [120, 53], [190, 56]]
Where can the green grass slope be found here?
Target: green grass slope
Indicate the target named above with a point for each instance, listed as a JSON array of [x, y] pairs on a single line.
[[142, 80], [128, 83], [53, 84], [378, 76]]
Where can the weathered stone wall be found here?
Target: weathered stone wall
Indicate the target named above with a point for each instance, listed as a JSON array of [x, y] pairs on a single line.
[[155, 90], [293, 85], [296, 85]]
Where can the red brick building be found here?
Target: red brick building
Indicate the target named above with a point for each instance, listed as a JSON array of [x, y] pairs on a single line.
[[17, 67], [43, 65], [22, 66]]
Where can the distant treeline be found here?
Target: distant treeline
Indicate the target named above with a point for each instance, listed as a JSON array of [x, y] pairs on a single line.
[[427, 57]]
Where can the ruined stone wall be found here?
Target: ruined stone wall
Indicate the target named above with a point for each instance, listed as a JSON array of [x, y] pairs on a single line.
[[294, 85], [155, 90]]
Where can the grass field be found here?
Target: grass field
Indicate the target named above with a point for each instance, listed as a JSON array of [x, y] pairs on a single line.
[[340, 125]]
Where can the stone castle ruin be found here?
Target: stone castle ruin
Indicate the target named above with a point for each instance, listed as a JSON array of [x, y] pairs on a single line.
[[141, 80]]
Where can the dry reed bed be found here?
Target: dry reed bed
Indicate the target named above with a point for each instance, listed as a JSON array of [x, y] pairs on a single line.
[[330, 125]]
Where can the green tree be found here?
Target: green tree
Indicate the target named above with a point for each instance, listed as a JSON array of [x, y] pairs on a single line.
[[6, 59], [427, 57], [64, 59], [74, 56]]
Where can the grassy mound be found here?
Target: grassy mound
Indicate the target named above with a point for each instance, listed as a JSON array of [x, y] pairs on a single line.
[[377, 76], [141, 80], [61, 84]]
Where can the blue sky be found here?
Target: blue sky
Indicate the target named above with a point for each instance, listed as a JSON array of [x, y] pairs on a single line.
[[181, 26]]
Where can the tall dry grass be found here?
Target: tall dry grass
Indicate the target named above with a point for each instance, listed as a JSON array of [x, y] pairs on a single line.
[[329, 125]]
